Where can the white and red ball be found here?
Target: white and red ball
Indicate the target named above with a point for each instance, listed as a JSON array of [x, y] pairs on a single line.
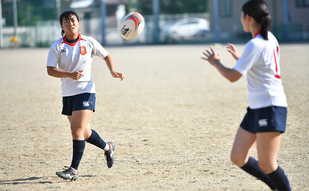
[[131, 25]]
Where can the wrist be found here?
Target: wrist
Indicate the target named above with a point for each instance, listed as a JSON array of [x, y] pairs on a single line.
[[216, 63]]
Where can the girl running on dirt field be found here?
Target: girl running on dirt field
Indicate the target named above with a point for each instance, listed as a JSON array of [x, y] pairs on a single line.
[[70, 59], [265, 119]]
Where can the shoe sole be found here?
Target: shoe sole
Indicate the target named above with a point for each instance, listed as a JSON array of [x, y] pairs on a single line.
[[73, 178]]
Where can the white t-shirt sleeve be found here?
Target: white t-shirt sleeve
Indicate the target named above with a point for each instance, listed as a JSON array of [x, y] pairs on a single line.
[[53, 56], [97, 49], [250, 56]]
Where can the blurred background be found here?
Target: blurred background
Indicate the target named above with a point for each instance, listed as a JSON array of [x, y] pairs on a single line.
[[35, 23]]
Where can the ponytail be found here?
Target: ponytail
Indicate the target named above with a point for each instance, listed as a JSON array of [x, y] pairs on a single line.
[[265, 26]]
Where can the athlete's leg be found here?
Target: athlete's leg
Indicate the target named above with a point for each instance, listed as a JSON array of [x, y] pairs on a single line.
[[87, 132], [96, 140], [243, 144], [92, 137], [268, 144], [79, 123], [108, 147], [81, 130]]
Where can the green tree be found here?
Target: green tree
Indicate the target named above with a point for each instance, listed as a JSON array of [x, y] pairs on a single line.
[[183, 6], [171, 6], [26, 14]]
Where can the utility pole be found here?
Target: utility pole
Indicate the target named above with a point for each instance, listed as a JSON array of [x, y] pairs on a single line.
[[15, 17], [14, 38], [156, 13], [58, 7], [216, 20], [103, 17], [1, 33], [286, 20]]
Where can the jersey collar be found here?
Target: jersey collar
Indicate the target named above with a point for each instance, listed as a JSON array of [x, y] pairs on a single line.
[[257, 33], [72, 44]]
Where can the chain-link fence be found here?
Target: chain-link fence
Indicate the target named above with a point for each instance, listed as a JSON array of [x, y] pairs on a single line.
[[172, 29], [39, 27]]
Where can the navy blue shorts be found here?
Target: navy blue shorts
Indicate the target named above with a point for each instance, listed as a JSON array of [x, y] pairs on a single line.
[[85, 101], [265, 119]]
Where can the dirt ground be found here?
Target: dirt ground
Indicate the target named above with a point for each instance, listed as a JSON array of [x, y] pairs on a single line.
[[173, 120]]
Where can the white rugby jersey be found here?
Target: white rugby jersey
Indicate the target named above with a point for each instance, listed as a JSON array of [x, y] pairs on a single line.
[[260, 61], [73, 57]]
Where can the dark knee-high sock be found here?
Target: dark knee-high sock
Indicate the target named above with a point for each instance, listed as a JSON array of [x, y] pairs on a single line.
[[252, 167], [78, 151], [280, 180], [96, 140]]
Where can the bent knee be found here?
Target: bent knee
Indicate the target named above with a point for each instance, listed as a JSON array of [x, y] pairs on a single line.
[[264, 168], [238, 160], [267, 167]]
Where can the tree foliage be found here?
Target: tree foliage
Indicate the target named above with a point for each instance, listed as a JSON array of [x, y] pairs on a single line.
[[171, 6], [31, 11]]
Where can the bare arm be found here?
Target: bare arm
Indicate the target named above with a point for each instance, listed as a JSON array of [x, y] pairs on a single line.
[[214, 59], [110, 64], [57, 73]]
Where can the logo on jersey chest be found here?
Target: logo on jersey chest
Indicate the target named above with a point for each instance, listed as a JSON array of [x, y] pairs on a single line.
[[63, 50], [83, 50]]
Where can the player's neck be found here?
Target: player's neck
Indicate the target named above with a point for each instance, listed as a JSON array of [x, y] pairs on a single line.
[[71, 37], [254, 28], [254, 31]]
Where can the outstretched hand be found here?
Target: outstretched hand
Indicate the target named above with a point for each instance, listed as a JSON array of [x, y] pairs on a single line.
[[232, 49], [214, 59], [211, 57]]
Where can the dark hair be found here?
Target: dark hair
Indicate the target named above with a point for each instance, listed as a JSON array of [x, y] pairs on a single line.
[[67, 15], [258, 10]]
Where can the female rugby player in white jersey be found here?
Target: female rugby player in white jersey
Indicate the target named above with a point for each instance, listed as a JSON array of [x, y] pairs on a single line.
[[70, 59], [266, 115]]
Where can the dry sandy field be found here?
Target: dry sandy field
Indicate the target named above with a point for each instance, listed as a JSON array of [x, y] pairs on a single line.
[[173, 120]]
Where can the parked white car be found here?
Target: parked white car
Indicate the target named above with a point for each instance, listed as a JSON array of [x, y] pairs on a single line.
[[190, 28]]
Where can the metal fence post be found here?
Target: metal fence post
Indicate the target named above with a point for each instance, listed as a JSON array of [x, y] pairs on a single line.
[[286, 20], [103, 18], [1, 33], [15, 18], [216, 20], [58, 7], [156, 12]]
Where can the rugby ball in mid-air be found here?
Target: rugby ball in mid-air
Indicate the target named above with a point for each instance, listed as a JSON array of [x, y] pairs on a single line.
[[131, 25]]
